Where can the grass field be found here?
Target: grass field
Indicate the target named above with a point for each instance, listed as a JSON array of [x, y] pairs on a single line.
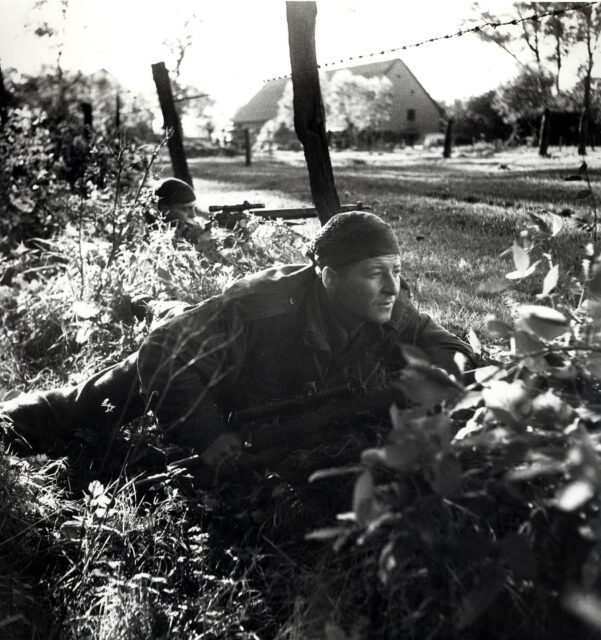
[[454, 217], [97, 546]]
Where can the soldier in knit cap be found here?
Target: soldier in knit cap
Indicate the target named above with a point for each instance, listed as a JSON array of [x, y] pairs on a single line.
[[176, 204], [345, 317]]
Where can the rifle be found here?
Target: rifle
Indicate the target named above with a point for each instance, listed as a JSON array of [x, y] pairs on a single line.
[[228, 215], [272, 431]]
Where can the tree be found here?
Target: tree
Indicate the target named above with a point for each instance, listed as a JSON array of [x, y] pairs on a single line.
[[542, 44], [358, 103], [479, 119], [522, 100], [192, 100], [557, 28], [588, 28]]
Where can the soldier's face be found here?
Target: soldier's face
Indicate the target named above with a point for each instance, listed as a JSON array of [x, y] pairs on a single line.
[[365, 291]]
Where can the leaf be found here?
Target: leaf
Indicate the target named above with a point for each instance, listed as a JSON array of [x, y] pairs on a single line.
[[95, 488], [333, 472], [327, 533], [550, 281], [542, 321], [521, 259], [523, 343], [585, 193], [475, 343], [497, 327], [585, 605], [483, 374], [540, 222], [493, 285], [510, 401], [20, 249], [163, 274], [83, 334], [482, 596], [574, 495], [363, 499], [556, 224], [518, 275], [85, 310], [402, 457], [22, 203], [470, 400], [531, 470], [427, 385], [551, 411]]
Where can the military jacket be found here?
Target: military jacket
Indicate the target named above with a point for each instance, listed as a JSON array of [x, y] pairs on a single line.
[[270, 336]]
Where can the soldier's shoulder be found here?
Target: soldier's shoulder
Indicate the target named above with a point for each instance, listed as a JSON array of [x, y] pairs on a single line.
[[271, 292], [268, 293]]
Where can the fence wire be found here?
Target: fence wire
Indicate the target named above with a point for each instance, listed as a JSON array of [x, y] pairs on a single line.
[[494, 24]]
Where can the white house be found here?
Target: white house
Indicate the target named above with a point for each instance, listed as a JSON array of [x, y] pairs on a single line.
[[414, 112]]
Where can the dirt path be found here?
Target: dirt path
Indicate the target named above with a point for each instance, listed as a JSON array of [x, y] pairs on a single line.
[[215, 192]]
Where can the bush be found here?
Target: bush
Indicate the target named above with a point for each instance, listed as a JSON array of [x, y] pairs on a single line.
[[480, 513]]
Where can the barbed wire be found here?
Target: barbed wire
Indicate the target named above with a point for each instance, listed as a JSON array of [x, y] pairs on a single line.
[[492, 23]]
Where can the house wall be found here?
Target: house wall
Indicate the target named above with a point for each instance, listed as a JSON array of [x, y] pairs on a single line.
[[409, 94]]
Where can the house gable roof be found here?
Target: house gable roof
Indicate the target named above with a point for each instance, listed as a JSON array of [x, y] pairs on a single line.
[[263, 105]]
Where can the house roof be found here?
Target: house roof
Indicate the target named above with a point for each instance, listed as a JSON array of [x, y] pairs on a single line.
[[263, 105]]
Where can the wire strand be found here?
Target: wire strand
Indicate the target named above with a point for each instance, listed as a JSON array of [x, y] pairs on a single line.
[[495, 24]]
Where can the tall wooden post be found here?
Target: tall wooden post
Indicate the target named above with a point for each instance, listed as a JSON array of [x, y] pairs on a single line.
[[172, 123], [545, 131], [448, 139], [247, 149], [86, 109], [309, 113]]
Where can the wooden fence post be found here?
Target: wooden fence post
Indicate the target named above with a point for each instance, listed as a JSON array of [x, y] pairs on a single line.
[[172, 123], [247, 149], [448, 139], [88, 121], [545, 130], [309, 113]]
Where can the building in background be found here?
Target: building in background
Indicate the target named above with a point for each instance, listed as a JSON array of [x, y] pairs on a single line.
[[413, 112]]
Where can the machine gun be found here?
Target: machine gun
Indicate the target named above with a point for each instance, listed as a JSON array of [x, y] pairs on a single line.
[[271, 432]]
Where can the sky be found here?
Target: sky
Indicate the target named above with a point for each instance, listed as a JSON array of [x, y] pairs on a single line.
[[237, 44]]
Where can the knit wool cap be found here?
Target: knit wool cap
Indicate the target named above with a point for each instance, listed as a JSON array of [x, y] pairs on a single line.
[[173, 191], [352, 237]]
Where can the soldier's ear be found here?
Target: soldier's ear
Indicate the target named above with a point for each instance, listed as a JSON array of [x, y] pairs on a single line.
[[329, 278]]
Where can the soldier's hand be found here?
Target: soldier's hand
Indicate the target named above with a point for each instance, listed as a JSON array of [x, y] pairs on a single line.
[[225, 450]]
